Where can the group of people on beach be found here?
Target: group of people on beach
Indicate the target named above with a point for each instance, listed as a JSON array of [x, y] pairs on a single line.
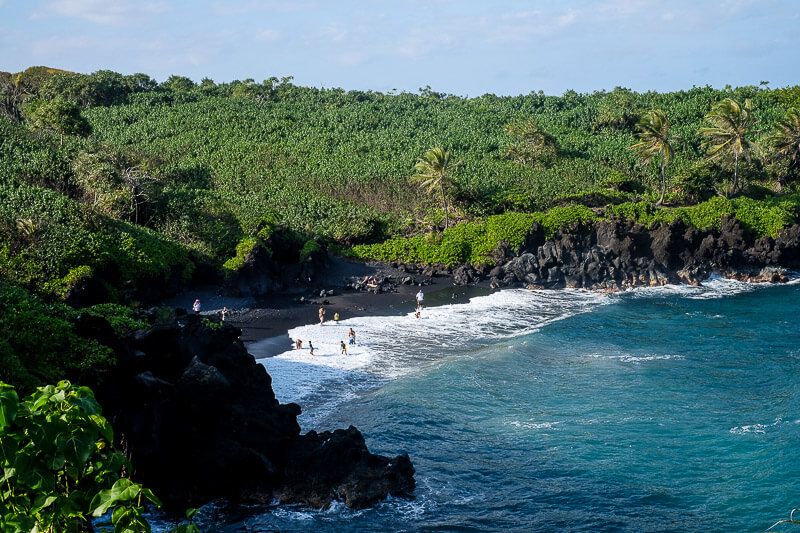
[[351, 334], [298, 343], [197, 307]]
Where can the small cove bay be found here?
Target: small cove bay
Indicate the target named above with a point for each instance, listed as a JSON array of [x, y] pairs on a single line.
[[669, 409]]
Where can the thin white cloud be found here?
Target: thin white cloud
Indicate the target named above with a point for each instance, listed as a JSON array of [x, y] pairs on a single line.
[[334, 33], [55, 45], [268, 36], [245, 7], [352, 58], [106, 12]]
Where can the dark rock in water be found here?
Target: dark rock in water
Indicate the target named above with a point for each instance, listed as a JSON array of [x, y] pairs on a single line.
[[201, 422], [337, 465]]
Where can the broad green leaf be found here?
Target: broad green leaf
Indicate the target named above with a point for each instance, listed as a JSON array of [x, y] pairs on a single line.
[[9, 403]]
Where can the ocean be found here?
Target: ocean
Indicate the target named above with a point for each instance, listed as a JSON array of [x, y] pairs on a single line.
[[665, 409]]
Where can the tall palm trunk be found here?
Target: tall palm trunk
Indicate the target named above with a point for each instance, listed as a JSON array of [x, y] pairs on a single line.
[[663, 184], [446, 205]]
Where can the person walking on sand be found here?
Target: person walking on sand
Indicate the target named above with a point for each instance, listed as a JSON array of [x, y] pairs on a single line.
[[298, 344], [344, 347], [420, 299], [321, 315], [352, 335], [196, 306], [311, 347]]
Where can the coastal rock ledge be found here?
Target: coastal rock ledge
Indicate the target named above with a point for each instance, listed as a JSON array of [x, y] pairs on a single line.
[[617, 254], [199, 419]]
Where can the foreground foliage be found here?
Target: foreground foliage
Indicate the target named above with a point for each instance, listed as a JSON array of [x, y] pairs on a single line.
[[58, 465]]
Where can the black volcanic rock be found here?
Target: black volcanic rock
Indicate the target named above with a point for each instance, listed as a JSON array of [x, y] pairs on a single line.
[[617, 254], [199, 419]]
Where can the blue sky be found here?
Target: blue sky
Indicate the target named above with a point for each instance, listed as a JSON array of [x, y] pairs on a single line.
[[465, 47]]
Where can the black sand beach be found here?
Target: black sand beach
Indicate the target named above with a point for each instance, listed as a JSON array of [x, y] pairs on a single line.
[[272, 316]]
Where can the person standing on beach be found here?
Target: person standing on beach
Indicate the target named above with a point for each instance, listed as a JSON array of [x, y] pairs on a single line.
[[321, 315], [311, 347], [352, 335], [298, 344], [420, 299], [224, 313], [344, 347], [196, 306]]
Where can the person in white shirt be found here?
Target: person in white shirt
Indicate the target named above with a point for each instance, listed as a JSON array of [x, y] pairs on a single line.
[[420, 299], [196, 306]]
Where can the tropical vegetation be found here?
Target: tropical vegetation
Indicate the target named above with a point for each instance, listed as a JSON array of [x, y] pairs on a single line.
[[117, 188]]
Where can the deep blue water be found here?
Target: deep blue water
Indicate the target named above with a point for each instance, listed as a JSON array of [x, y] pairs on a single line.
[[652, 411]]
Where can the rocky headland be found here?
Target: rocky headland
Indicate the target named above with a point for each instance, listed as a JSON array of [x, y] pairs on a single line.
[[199, 419]]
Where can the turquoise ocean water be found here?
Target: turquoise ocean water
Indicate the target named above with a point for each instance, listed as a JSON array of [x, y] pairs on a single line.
[[673, 409]]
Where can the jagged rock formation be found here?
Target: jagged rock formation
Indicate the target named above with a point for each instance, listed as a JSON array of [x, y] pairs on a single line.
[[199, 419], [619, 254]]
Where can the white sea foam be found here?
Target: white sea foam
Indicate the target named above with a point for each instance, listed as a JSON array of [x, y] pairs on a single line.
[[714, 287], [630, 358], [522, 424], [755, 428], [392, 346]]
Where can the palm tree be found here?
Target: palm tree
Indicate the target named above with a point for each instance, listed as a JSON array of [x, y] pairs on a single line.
[[786, 141], [655, 145], [729, 124], [432, 173]]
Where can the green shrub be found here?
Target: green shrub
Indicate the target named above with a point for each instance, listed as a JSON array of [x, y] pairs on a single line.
[[58, 466], [243, 250], [38, 343], [567, 217], [473, 242], [123, 319], [762, 217], [310, 247]]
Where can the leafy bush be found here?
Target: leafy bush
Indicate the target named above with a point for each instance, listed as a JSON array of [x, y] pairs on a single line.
[[762, 217], [243, 250], [473, 242], [38, 343], [58, 466]]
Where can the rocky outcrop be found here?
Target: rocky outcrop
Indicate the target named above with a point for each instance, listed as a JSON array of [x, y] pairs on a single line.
[[619, 254], [261, 274], [199, 419]]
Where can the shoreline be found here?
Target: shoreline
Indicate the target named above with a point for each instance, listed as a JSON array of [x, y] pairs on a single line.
[[266, 321], [268, 327]]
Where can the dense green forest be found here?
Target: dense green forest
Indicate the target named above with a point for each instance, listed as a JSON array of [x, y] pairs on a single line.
[[137, 185]]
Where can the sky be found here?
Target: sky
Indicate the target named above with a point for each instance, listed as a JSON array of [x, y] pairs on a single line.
[[463, 47]]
